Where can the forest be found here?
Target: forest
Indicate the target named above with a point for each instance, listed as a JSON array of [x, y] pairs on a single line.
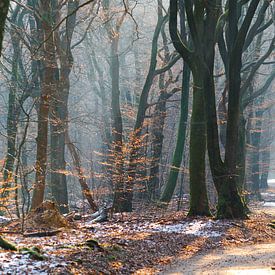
[[137, 137]]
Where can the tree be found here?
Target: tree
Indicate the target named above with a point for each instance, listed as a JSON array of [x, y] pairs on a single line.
[[113, 31], [59, 107], [47, 91], [136, 135], [181, 137], [193, 57], [206, 23], [224, 172], [14, 97]]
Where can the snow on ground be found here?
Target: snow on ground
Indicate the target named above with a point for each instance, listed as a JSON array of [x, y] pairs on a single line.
[[4, 219], [271, 181], [266, 194], [196, 227], [52, 247], [269, 204], [17, 263]]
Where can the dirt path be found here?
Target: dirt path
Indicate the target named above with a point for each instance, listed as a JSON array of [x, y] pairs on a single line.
[[254, 259]]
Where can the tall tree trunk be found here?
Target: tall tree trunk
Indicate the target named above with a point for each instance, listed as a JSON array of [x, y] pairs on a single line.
[[13, 104], [59, 116], [181, 137], [12, 123], [47, 91], [59, 109], [198, 200], [119, 203], [225, 176], [198, 192]]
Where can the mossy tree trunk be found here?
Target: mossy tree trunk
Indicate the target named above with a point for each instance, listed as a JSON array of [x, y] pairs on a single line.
[[204, 29], [198, 193], [230, 204], [194, 59]]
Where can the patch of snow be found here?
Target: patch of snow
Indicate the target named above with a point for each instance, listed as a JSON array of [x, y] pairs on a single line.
[[270, 181], [17, 263], [269, 204], [4, 219], [268, 194], [197, 228]]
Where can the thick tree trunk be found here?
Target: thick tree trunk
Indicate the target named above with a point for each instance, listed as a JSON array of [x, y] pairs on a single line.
[[59, 110], [225, 175], [230, 204], [59, 122], [198, 192], [47, 91], [59, 118]]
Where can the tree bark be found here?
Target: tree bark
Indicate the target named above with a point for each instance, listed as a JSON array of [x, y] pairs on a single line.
[[198, 192], [59, 111], [119, 202], [47, 91]]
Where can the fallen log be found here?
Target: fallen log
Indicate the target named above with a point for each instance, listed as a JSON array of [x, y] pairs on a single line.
[[34, 253], [7, 245], [42, 233]]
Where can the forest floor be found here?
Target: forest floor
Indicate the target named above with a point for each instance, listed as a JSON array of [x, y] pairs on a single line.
[[149, 242]]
